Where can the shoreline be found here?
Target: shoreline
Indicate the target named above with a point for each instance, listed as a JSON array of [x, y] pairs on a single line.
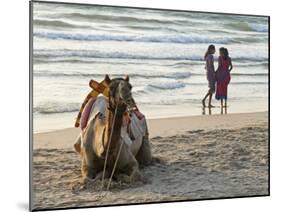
[[59, 121], [65, 138]]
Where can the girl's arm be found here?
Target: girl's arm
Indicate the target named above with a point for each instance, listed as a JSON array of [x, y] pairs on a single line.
[[230, 65], [211, 64]]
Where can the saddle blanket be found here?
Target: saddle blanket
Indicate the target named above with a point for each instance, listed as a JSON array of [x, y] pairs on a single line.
[[134, 121]]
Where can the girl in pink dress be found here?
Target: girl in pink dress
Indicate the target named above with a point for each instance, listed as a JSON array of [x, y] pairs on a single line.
[[223, 76], [209, 58]]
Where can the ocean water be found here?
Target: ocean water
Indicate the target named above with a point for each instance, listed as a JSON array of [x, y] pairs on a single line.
[[161, 51]]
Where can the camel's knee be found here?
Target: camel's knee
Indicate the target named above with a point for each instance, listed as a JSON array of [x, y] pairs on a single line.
[[133, 171], [88, 171], [77, 145], [144, 156]]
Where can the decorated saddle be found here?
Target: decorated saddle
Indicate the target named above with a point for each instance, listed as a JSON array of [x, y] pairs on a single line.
[[96, 101]]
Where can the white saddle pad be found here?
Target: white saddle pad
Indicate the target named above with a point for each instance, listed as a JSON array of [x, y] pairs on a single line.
[[136, 126]]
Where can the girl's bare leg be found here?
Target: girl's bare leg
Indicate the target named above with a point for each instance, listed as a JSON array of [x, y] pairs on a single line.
[[210, 111], [210, 99], [204, 99], [221, 103], [225, 103]]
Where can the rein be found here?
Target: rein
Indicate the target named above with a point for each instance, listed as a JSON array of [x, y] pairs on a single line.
[[107, 152]]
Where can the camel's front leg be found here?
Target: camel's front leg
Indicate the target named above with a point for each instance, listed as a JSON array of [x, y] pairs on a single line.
[[132, 175], [135, 174], [89, 166], [129, 165], [77, 145], [88, 169], [144, 156], [86, 165]]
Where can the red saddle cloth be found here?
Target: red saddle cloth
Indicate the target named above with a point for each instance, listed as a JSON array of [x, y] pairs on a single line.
[[86, 113], [138, 114]]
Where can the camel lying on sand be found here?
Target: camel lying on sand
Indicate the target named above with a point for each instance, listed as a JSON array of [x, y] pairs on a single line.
[[114, 127]]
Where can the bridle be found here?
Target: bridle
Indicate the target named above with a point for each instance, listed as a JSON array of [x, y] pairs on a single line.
[[115, 110]]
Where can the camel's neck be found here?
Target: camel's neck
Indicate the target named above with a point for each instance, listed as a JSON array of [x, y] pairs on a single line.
[[114, 125]]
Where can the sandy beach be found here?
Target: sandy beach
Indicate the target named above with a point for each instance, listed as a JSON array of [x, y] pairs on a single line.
[[207, 156]]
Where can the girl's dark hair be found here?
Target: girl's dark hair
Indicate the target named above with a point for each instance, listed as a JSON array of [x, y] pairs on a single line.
[[221, 49], [225, 53], [210, 48]]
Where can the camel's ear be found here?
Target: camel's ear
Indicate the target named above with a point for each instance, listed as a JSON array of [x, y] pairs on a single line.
[[107, 79], [127, 78]]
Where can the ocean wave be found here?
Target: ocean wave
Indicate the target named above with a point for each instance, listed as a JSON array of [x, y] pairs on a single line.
[[113, 18], [185, 63], [250, 74], [249, 83], [250, 39], [56, 107], [93, 61], [175, 75], [256, 63], [167, 85], [243, 26], [259, 27], [154, 28], [51, 54], [62, 60], [57, 23], [232, 83], [253, 58], [233, 73], [181, 64], [133, 38]]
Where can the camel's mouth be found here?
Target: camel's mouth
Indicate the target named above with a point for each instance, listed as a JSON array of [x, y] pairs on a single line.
[[131, 105], [129, 102]]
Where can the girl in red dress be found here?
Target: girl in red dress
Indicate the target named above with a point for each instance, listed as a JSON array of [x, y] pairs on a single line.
[[223, 76]]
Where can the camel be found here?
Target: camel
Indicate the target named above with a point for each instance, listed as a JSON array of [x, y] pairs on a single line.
[[96, 141]]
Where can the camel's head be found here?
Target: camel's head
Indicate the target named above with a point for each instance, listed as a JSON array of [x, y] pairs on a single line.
[[120, 93]]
